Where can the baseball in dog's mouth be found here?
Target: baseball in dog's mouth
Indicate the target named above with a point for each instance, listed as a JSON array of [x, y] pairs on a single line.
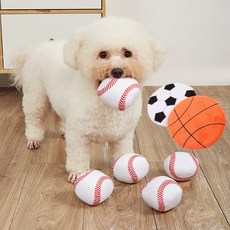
[[100, 81]]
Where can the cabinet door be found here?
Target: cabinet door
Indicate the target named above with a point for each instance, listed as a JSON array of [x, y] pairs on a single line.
[[21, 31], [50, 4]]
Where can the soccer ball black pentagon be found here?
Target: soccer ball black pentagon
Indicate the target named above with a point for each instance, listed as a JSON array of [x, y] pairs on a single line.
[[163, 100]]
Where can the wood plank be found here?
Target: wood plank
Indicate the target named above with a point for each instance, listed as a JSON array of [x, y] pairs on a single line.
[[124, 210], [48, 201], [215, 165], [14, 157], [10, 100], [218, 93]]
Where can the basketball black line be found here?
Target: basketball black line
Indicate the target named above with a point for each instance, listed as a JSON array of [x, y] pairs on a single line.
[[184, 111], [190, 118], [182, 126], [201, 112], [202, 128]]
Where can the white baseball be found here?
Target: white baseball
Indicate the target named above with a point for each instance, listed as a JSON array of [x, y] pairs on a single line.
[[162, 193], [130, 168], [181, 166], [119, 93], [93, 187]]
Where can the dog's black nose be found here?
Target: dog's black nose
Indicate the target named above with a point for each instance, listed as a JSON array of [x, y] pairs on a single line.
[[117, 72]]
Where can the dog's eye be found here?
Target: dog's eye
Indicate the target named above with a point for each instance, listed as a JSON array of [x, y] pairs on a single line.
[[128, 54], [103, 54]]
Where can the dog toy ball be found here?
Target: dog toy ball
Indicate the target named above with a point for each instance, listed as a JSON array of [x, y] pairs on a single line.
[[130, 168], [93, 187], [181, 166], [197, 122], [162, 193], [119, 93], [163, 100]]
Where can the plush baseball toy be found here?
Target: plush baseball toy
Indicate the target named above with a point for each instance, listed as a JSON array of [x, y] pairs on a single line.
[[119, 93], [93, 187], [181, 166], [130, 168], [162, 193]]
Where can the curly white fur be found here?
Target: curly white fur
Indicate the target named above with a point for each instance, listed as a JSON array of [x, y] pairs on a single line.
[[67, 74]]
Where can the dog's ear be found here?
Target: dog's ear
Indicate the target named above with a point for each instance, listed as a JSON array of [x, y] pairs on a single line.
[[159, 51], [71, 48]]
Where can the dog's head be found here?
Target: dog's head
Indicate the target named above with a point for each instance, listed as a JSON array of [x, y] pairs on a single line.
[[113, 47]]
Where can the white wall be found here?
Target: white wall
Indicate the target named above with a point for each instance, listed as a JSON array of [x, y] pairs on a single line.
[[195, 32]]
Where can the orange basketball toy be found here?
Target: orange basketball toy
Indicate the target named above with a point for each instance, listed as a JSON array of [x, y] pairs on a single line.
[[196, 122]]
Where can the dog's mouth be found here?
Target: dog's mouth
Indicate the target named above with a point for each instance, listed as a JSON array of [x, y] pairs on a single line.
[[117, 73], [98, 82]]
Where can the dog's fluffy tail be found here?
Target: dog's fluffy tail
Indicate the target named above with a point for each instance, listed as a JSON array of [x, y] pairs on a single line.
[[18, 63]]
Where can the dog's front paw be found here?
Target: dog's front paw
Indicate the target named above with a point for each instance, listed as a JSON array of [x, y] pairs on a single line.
[[73, 176], [33, 144]]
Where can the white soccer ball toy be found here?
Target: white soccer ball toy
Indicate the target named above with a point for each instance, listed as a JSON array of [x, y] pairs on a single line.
[[162, 193], [181, 166], [119, 93], [162, 101], [130, 168], [93, 187]]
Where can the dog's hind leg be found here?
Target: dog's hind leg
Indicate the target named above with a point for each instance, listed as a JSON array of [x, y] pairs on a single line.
[[36, 107], [61, 125]]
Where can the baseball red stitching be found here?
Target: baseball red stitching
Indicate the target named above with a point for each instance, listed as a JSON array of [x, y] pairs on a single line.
[[160, 192], [115, 163], [196, 163], [79, 179], [131, 170], [109, 85], [148, 183], [97, 190], [172, 167], [121, 104]]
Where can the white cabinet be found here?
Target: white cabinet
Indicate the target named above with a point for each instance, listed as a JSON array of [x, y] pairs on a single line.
[[28, 22], [50, 4], [21, 31]]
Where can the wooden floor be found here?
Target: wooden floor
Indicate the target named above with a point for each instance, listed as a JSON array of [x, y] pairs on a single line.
[[35, 194]]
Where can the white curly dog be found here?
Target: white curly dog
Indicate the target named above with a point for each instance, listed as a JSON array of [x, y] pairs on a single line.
[[66, 75]]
